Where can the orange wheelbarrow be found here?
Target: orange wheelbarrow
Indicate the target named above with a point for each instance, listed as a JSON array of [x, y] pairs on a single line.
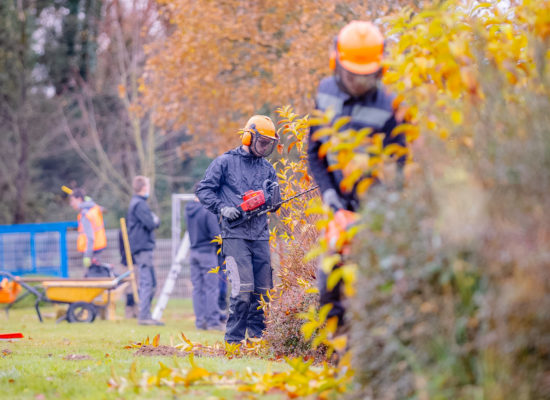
[[84, 296]]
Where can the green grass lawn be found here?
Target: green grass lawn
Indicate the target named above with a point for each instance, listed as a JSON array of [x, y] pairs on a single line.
[[36, 368]]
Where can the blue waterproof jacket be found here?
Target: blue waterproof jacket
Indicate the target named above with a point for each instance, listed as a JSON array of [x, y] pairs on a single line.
[[227, 178], [372, 110], [202, 226], [141, 225]]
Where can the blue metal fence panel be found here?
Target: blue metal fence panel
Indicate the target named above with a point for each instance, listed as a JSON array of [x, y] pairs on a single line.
[[35, 248]]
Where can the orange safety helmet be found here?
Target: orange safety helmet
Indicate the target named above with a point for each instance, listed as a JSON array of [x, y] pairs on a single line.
[[359, 48], [260, 134]]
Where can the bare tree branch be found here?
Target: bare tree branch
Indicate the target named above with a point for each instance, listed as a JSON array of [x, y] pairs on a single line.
[[101, 174]]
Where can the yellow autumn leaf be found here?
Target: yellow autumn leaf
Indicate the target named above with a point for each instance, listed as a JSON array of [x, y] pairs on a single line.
[[217, 239], [396, 150], [308, 329], [456, 117], [323, 312], [339, 342], [313, 253], [332, 325], [349, 277], [340, 122], [133, 375], [163, 372], [334, 277], [321, 224], [196, 374], [321, 133], [329, 262], [214, 270], [364, 185], [443, 134], [323, 149]]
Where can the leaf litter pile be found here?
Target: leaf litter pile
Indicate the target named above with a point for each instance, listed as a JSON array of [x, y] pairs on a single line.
[[148, 350], [186, 347], [301, 379]]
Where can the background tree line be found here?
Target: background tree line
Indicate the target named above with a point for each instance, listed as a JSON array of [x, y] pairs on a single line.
[[69, 73], [93, 92]]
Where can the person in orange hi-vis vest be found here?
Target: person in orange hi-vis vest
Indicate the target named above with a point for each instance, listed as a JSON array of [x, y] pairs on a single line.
[[91, 230]]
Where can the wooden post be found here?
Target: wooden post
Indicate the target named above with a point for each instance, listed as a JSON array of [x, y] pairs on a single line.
[[129, 260]]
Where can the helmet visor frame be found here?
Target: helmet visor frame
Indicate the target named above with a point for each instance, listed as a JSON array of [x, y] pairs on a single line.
[[263, 146]]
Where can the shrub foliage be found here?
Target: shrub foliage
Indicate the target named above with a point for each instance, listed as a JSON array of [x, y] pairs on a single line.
[[454, 270]]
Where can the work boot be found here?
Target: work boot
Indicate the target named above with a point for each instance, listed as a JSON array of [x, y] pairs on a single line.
[[130, 312]]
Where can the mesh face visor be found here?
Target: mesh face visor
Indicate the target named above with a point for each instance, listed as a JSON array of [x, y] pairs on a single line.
[[262, 146], [358, 84]]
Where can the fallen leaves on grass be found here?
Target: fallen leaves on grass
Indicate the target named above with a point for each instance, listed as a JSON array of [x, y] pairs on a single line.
[[159, 351], [186, 346], [146, 342], [301, 380], [5, 352]]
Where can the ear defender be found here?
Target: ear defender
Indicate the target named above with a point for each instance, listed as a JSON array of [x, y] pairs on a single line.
[[247, 138], [247, 135]]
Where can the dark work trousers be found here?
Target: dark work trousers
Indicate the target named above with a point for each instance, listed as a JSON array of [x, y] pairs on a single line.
[[248, 264], [222, 298], [205, 288], [332, 297], [147, 282]]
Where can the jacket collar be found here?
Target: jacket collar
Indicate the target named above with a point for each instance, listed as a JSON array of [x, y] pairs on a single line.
[[243, 153]]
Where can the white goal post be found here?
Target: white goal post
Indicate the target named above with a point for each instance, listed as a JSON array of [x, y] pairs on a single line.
[[180, 250]]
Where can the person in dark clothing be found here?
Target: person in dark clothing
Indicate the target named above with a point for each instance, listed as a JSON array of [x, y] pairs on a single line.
[[246, 246], [203, 226], [141, 223], [354, 91]]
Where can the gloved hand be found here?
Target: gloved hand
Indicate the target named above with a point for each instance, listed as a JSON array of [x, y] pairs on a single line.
[[272, 192], [269, 185], [332, 199], [156, 219], [86, 261], [230, 213]]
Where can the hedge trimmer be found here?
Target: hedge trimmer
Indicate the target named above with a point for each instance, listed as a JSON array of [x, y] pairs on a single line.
[[254, 205]]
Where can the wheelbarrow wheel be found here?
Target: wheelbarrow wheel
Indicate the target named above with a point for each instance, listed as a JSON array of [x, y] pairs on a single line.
[[81, 312]]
